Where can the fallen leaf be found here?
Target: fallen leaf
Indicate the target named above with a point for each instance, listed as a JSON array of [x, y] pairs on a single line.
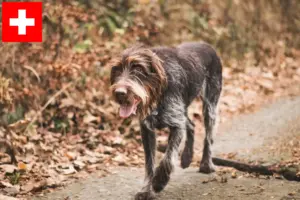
[[120, 159], [3, 197], [14, 190], [78, 164], [71, 155], [22, 166], [292, 193], [266, 83], [5, 184], [89, 118], [117, 140], [66, 169], [233, 175], [34, 186], [8, 168]]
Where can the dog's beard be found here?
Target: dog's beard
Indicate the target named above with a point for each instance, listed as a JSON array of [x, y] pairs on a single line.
[[137, 97]]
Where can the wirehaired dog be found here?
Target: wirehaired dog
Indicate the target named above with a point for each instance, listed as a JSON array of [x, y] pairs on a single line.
[[158, 84]]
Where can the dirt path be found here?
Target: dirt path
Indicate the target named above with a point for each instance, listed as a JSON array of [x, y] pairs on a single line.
[[185, 185], [251, 136]]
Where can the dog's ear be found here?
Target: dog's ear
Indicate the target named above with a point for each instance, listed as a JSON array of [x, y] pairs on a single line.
[[157, 69]]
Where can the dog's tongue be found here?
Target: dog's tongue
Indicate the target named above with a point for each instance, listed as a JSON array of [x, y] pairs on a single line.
[[127, 110]]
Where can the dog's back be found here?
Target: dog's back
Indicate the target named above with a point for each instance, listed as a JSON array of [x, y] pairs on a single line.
[[189, 67]]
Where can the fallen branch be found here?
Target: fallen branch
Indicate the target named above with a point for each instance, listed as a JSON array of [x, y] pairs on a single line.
[[259, 169]]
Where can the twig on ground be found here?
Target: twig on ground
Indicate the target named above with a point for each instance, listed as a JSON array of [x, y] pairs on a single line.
[[260, 169], [33, 71]]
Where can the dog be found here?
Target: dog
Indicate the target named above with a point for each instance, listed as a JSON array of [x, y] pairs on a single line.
[[157, 85]]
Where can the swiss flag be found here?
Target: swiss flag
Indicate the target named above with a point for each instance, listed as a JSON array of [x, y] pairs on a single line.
[[22, 22]]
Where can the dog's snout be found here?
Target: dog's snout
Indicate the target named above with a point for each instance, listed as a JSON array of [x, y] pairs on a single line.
[[121, 94], [121, 91]]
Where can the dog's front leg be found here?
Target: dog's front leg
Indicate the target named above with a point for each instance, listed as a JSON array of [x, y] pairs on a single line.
[[149, 144], [166, 166]]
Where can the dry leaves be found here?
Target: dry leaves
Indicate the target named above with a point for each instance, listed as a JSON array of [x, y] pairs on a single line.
[[3, 197]]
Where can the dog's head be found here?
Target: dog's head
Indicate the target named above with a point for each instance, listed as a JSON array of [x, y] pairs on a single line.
[[137, 81]]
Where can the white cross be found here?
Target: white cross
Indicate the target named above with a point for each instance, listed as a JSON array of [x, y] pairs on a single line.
[[21, 22]]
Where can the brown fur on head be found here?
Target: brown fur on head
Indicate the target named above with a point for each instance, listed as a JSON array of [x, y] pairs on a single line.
[[137, 77]]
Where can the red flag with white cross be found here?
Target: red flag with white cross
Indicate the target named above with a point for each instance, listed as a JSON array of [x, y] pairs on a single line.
[[22, 22]]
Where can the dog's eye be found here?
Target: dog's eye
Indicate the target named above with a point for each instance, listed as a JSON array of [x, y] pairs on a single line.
[[115, 72], [138, 68], [116, 69]]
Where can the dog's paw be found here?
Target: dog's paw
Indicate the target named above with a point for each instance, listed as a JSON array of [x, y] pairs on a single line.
[[186, 158], [207, 167], [161, 178], [148, 195]]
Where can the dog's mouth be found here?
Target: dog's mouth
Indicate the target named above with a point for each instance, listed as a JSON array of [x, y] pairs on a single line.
[[129, 108]]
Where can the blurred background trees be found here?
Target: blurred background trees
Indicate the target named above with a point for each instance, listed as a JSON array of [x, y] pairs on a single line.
[[81, 36]]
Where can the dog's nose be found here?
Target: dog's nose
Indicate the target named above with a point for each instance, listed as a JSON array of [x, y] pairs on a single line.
[[120, 93]]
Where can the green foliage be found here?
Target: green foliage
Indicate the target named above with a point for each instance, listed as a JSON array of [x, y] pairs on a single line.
[[113, 21], [83, 47], [12, 117], [61, 125], [14, 177]]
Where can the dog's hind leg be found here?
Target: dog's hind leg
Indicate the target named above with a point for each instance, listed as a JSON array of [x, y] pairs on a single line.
[[188, 151], [210, 99]]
